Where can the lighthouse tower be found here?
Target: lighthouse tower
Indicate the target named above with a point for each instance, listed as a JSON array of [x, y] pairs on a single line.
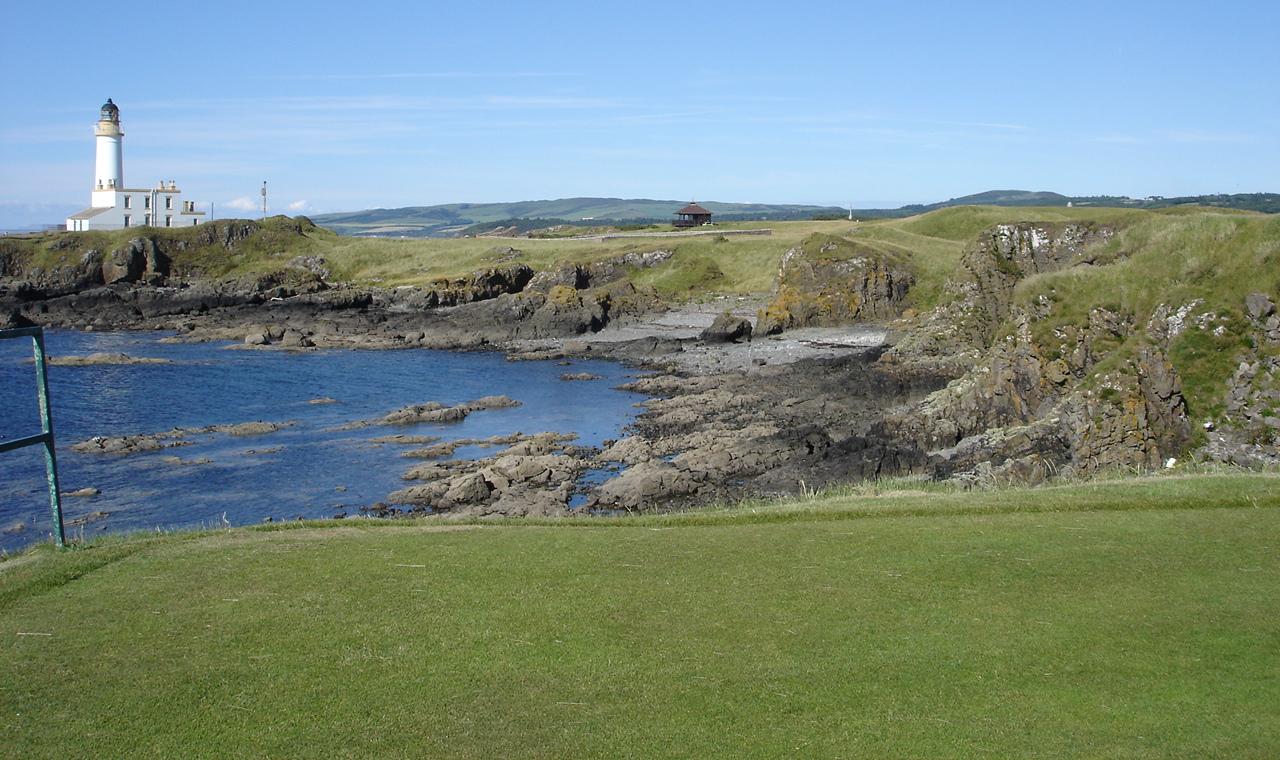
[[109, 173], [114, 206]]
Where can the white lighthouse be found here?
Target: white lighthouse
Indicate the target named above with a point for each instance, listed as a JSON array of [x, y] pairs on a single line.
[[110, 161], [114, 206]]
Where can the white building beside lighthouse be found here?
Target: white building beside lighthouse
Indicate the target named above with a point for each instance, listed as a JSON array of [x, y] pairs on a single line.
[[113, 206]]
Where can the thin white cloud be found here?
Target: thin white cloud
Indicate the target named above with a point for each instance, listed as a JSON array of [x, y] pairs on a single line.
[[979, 125], [425, 75], [1204, 136], [243, 203], [543, 101], [328, 106], [299, 206]]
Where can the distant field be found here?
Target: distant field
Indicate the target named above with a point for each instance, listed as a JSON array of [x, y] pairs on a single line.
[[1118, 619], [456, 216]]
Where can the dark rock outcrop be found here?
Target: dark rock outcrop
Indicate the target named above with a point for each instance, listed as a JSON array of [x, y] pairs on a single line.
[[138, 260], [726, 436], [978, 301], [12, 318], [727, 328], [1034, 402], [1248, 432], [831, 281]]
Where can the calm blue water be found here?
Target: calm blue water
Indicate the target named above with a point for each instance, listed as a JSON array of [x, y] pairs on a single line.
[[318, 471]]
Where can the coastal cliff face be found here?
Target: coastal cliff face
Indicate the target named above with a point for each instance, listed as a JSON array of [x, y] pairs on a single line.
[[1022, 414], [976, 302], [1067, 363]]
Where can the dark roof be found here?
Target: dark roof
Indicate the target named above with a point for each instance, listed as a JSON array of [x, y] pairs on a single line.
[[693, 208]]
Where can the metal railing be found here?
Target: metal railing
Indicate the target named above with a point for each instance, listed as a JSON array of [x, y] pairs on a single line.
[[45, 438]]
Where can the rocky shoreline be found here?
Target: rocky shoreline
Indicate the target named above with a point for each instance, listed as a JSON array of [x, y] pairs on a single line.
[[830, 379]]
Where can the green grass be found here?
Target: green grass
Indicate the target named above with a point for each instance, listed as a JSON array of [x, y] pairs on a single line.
[[1131, 618], [747, 264], [963, 223]]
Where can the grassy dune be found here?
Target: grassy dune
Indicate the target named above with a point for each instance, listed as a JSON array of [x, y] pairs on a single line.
[[1116, 619]]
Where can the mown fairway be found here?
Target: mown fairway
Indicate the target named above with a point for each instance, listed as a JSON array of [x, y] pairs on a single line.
[[1119, 619]]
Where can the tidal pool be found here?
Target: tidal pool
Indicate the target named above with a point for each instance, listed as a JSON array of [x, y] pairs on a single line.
[[311, 469]]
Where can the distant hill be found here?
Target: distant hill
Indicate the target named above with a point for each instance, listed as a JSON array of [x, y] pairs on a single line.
[[1268, 203], [469, 218], [452, 218], [994, 198]]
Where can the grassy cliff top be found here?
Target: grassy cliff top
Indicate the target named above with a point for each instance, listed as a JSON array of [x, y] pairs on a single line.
[[701, 266], [223, 248]]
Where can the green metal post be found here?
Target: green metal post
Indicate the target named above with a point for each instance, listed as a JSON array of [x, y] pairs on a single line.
[[45, 438], [46, 424]]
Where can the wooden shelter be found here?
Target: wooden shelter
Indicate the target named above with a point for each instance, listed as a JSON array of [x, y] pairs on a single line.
[[692, 215]]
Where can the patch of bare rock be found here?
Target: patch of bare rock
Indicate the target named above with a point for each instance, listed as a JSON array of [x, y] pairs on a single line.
[[104, 358], [533, 477], [143, 442], [434, 411]]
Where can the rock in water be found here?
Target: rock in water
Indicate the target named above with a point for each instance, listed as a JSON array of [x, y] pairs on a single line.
[[103, 358], [491, 402]]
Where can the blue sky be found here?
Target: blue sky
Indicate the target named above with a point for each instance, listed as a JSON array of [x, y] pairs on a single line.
[[349, 106]]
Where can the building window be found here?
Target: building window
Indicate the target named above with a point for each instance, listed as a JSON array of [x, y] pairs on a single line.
[[168, 201], [128, 201], [194, 222], [146, 220], [126, 220], [168, 221], [146, 201]]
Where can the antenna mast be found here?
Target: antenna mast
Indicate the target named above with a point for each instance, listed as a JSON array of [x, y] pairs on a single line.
[[264, 199]]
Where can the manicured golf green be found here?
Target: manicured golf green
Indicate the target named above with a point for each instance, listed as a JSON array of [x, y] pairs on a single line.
[[1133, 618]]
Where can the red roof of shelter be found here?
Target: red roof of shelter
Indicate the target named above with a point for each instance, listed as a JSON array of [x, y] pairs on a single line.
[[693, 208]]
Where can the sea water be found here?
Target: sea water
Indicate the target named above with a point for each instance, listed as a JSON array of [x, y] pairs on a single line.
[[312, 469]]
